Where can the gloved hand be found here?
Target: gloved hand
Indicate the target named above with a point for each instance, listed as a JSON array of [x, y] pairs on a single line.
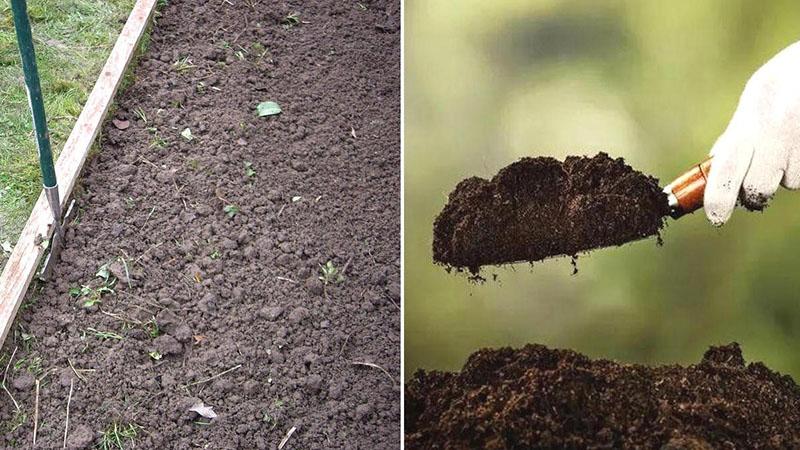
[[760, 149]]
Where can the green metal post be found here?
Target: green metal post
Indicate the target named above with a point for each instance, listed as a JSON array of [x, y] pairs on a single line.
[[25, 41]]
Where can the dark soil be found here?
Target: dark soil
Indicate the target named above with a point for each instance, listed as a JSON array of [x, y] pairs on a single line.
[[535, 397], [224, 305], [541, 207]]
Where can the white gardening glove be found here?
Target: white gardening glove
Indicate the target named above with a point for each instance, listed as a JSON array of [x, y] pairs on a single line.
[[760, 149]]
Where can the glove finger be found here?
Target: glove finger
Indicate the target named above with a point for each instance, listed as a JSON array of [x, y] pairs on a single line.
[[791, 178], [762, 179], [731, 161]]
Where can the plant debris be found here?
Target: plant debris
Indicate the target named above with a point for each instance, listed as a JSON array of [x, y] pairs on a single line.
[[203, 410], [268, 109]]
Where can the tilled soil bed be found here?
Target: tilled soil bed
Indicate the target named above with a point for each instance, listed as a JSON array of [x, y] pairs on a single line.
[[535, 397], [214, 244]]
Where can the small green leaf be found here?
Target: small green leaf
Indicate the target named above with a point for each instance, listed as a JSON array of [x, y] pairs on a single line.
[[187, 134], [91, 302], [75, 292], [104, 290], [156, 355], [268, 109], [103, 272], [231, 210], [248, 169]]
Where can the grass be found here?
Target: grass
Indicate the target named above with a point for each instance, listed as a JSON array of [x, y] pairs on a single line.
[[117, 436], [72, 39], [103, 335], [183, 65], [17, 420], [291, 20], [231, 210], [152, 328]]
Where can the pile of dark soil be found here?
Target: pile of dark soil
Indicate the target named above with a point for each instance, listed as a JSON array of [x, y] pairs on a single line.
[[535, 397], [216, 244], [541, 207]]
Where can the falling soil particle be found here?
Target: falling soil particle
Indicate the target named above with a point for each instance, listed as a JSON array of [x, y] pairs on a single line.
[[535, 397], [541, 207]]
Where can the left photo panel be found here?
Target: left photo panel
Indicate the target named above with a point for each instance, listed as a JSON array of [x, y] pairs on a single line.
[[200, 224]]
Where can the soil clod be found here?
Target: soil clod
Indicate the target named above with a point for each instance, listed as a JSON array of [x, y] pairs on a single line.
[[541, 207], [535, 397]]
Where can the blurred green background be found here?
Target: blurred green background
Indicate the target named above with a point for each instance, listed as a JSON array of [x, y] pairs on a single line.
[[655, 82]]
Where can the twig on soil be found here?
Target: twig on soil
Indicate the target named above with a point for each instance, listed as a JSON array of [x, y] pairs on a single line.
[[369, 252], [127, 272], [69, 400], [344, 268], [77, 371], [178, 191], [393, 302], [148, 162], [375, 366], [213, 377], [287, 279], [149, 249], [5, 377], [147, 220], [286, 438], [121, 318], [80, 377], [246, 24], [344, 344], [218, 194], [36, 413]]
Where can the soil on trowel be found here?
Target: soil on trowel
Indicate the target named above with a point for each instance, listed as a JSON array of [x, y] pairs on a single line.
[[535, 397], [541, 207]]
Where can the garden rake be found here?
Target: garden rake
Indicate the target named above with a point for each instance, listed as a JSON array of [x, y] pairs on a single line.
[[36, 103]]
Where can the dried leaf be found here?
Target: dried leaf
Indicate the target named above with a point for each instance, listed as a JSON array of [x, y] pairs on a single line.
[[203, 410], [103, 272], [121, 124], [187, 134]]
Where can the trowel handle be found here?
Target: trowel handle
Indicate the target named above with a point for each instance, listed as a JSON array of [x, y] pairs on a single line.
[[686, 192]]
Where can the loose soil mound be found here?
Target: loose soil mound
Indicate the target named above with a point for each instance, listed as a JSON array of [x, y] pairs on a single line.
[[535, 397], [540, 207], [223, 304]]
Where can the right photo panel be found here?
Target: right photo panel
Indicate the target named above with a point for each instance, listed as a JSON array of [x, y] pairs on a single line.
[[601, 242]]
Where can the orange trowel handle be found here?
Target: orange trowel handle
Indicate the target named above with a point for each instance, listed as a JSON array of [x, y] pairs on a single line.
[[686, 192]]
